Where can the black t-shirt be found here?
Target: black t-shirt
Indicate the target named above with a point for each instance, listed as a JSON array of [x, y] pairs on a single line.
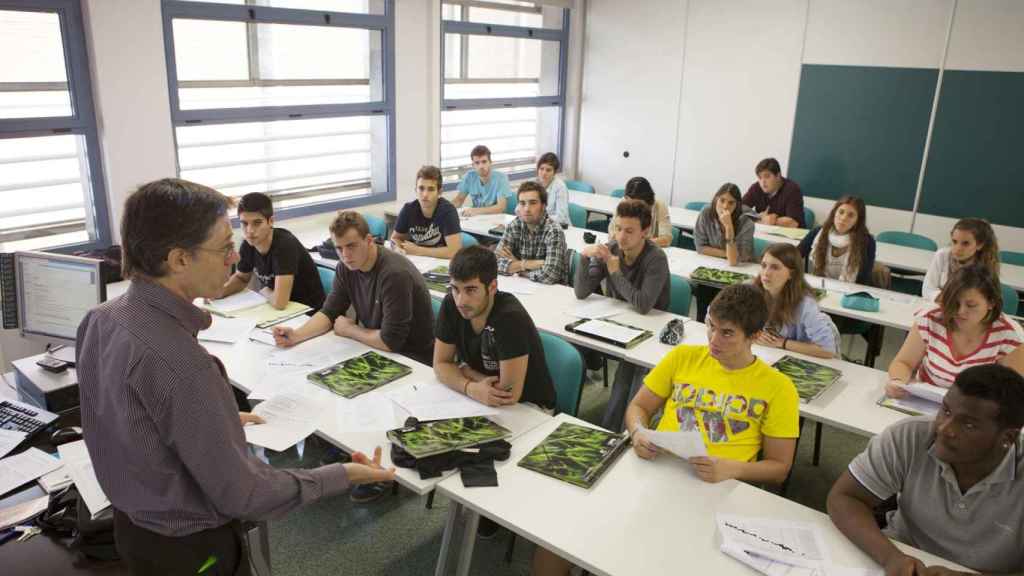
[[429, 232], [287, 256], [509, 333]]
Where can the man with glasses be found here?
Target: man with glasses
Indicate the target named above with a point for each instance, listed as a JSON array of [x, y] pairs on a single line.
[[162, 428]]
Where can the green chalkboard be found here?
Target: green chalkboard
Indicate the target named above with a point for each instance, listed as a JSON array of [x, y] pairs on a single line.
[[976, 160], [861, 130]]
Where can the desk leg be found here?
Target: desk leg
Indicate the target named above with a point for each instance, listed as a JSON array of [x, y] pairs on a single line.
[[454, 511], [468, 541]]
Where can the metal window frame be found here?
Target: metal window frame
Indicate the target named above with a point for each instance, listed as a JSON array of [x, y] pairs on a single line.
[[478, 29], [82, 122], [257, 14]]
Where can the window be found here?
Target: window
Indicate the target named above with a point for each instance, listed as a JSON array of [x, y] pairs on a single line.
[[284, 97], [51, 179], [502, 84]]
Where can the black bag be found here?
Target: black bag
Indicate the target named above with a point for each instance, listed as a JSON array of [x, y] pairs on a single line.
[[110, 262], [476, 463], [67, 517]]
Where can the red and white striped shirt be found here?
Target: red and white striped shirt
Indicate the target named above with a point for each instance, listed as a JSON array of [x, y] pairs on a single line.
[[941, 365]]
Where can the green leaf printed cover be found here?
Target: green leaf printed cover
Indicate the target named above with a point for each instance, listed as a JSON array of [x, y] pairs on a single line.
[[440, 436], [359, 375], [575, 454], [437, 279], [810, 378], [717, 276]]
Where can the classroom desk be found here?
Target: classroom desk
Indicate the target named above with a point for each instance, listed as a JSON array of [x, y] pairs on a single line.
[[642, 517]]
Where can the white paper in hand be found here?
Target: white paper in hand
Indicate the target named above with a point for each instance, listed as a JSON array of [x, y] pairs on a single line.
[[927, 391], [686, 444]]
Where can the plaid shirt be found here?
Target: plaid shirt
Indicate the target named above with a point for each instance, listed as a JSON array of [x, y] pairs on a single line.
[[546, 243]]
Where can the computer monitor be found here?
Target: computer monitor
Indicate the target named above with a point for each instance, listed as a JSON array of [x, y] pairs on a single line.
[[55, 291]]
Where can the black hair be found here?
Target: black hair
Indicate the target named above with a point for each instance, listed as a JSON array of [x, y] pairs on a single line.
[[639, 188], [769, 164], [474, 262], [551, 159], [743, 305], [256, 202], [531, 186], [1001, 385]]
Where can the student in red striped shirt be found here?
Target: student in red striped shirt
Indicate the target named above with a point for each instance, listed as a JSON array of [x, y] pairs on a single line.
[[965, 328]]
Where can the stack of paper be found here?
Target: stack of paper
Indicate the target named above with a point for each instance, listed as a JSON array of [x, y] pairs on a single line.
[[927, 391], [289, 417], [25, 467], [20, 513], [435, 401], [9, 440], [57, 480], [235, 303], [75, 457], [227, 330]]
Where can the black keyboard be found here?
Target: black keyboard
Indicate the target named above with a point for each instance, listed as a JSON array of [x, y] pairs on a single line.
[[23, 418]]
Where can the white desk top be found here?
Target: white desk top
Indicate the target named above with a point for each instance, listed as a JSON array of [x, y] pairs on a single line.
[[625, 523]]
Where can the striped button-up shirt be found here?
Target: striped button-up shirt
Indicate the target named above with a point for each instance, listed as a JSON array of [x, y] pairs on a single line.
[[162, 426], [546, 242]]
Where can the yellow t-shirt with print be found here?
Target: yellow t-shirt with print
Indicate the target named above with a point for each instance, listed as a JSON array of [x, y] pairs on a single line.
[[733, 409]]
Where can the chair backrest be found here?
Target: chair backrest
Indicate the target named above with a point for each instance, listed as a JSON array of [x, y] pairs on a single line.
[[435, 303], [378, 227], [577, 215], [1011, 300], [510, 204], [907, 239], [675, 236], [579, 186], [1010, 257], [574, 263], [565, 364], [326, 278], [808, 218], [760, 245], [468, 239], [618, 193], [698, 206], [679, 302]]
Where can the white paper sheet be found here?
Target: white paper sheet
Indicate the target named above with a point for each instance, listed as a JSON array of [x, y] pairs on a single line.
[[19, 513], [289, 417], [236, 302], [683, 444], [608, 330], [367, 413], [9, 440], [599, 308], [228, 330], [75, 457], [435, 401], [56, 480], [517, 285], [316, 353], [279, 380], [794, 543], [426, 263], [927, 392], [266, 335], [25, 467]]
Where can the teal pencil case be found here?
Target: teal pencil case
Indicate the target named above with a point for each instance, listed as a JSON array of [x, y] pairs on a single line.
[[862, 301]]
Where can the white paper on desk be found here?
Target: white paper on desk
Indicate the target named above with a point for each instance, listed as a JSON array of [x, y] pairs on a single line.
[[316, 353], [599, 308], [19, 513], [435, 401], [266, 335], [615, 332], [237, 302], [25, 467], [928, 392], [426, 263], [517, 285], [289, 417], [371, 412], [685, 444], [228, 330], [795, 543], [773, 568], [56, 480], [75, 457], [278, 380], [9, 440]]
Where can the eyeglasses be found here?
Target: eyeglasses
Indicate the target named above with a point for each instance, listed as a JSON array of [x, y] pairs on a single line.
[[224, 253]]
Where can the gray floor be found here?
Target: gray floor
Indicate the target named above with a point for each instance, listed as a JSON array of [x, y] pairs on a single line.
[[399, 536]]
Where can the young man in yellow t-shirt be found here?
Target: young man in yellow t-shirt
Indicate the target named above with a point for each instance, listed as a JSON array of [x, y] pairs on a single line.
[[740, 404]]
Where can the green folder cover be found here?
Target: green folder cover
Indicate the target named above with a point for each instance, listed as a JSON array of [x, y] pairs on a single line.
[[576, 454], [718, 276], [810, 378], [440, 436], [437, 279], [358, 375]]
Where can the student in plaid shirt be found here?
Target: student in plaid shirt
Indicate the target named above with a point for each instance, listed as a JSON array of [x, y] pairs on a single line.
[[533, 245]]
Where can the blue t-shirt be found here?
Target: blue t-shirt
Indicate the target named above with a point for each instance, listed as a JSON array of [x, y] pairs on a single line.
[[429, 232], [482, 195]]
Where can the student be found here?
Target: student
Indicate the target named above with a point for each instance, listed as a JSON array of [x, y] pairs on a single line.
[[161, 425], [965, 328], [795, 323], [282, 264], [390, 297], [631, 268], [778, 200], [660, 232], [558, 194], [429, 225], [973, 242], [725, 228], [486, 187], [533, 245], [842, 248], [959, 478]]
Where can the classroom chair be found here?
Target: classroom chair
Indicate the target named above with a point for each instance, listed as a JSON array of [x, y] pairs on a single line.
[[760, 246], [577, 215], [468, 239], [675, 236], [903, 280], [680, 294], [574, 263], [808, 218], [566, 367], [1011, 300], [510, 204], [579, 186], [618, 193], [435, 303], [326, 278], [698, 206], [598, 225], [1010, 257], [378, 227]]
